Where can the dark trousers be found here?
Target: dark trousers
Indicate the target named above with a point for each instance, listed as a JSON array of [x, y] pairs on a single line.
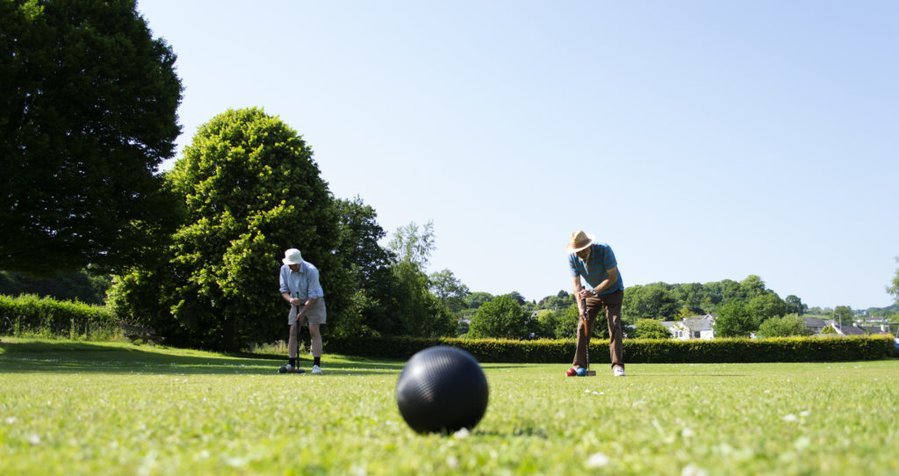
[[611, 304]]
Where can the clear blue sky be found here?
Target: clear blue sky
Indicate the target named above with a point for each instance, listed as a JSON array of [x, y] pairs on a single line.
[[703, 140]]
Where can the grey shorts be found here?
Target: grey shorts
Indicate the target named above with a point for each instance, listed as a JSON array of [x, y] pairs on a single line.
[[316, 314]]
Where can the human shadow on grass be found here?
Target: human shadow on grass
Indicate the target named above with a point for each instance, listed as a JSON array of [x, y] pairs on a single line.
[[83, 357]]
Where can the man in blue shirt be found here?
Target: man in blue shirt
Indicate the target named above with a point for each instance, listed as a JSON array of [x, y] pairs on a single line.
[[595, 264], [301, 288]]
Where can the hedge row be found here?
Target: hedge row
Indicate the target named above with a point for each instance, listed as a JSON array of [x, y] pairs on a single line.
[[786, 349], [29, 314]]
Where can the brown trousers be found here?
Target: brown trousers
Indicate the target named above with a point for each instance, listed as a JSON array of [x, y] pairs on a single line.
[[611, 303]]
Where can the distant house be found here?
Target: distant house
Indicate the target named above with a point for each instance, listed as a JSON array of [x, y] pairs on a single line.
[[877, 325], [815, 325], [695, 327], [845, 329]]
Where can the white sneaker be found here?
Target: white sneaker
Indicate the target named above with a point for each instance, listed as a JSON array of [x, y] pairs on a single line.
[[316, 370], [618, 371]]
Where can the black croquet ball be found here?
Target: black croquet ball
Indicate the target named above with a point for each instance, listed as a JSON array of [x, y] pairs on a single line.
[[442, 390]]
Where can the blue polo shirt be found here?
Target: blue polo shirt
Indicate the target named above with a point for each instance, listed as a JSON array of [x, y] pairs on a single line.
[[301, 284], [596, 269]]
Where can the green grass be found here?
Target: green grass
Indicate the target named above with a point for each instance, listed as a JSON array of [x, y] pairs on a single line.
[[113, 408]]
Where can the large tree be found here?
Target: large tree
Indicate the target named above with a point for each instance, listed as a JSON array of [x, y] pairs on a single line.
[[794, 305], [843, 315], [87, 114], [369, 271], [734, 320], [251, 190], [651, 301], [766, 306], [449, 289], [414, 309], [413, 244]]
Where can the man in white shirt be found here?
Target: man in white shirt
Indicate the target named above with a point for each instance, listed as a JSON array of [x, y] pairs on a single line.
[[300, 287]]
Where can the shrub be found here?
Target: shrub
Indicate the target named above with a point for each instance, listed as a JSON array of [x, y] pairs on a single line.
[[784, 349], [789, 325], [651, 329], [30, 314]]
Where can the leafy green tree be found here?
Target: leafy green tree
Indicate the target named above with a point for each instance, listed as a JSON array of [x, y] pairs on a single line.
[[690, 296], [649, 301], [413, 244], [560, 301], [794, 305], [894, 289], [651, 329], [566, 322], [734, 320], [789, 325], [88, 114], [843, 315], [684, 313], [417, 312], [765, 306], [546, 323], [476, 299], [359, 236], [518, 297], [251, 190], [718, 292], [502, 317], [368, 265], [751, 287], [449, 289]]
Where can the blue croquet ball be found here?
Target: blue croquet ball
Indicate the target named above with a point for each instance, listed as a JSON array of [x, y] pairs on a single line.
[[442, 390], [581, 371]]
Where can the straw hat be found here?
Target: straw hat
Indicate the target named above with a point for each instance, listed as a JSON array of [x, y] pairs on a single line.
[[292, 256], [579, 240]]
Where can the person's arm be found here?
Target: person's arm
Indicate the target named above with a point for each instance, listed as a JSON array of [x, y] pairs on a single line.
[[285, 290], [606, 283], [578, 294]]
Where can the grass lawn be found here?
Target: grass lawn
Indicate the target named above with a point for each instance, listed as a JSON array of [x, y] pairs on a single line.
[[112, 408]]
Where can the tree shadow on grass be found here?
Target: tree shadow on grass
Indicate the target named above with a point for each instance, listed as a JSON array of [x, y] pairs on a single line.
[[84, 357]]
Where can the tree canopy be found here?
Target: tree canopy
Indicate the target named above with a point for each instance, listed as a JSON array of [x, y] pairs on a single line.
[[665, 301], [88, 114], [501, 317], [734, 320], [789, 325], [250, 190]]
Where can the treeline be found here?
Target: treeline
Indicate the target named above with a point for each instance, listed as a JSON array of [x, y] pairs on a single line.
[[674, 301]]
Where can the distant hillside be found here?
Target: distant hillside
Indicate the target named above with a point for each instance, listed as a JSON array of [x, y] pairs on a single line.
[[883, 310]]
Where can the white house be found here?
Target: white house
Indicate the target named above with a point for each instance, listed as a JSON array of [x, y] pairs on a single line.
[[696, 327]]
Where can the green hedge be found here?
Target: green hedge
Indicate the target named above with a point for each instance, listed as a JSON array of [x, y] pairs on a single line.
[[785, 349], [29, 314]]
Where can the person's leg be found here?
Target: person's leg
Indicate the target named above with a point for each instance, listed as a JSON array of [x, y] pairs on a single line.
[[616, 329], [583, 333], [292, 341], [316, 340]]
